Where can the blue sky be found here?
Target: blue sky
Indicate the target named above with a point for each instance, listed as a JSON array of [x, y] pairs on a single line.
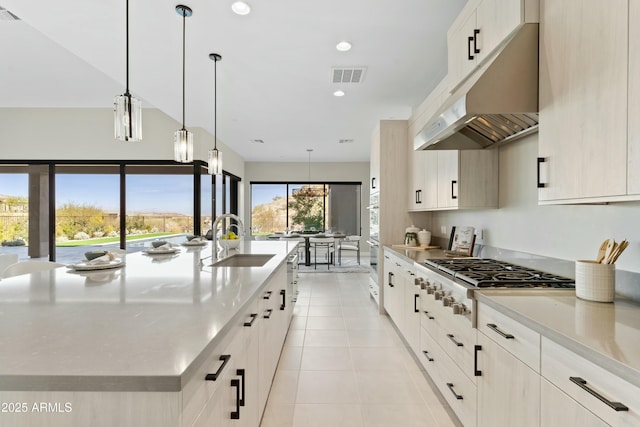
[[145, 193]]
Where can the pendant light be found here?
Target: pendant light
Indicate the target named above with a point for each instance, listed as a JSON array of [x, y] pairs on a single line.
[[127, 110], [183, 139], [215, 156]]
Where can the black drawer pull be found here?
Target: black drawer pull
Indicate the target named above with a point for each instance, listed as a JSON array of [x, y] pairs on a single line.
[[240, 373], [541, 184], [476, 371], [268, 315], [475, 40], [267, 295], [235, 415], [212, 377], [452, 338], [469, 55], [283, 293], [429, 316], [453, 187], [253, 319], [426, 354], [373, 183], [617, 406], [415, 303], [499, 332], [458, 396]]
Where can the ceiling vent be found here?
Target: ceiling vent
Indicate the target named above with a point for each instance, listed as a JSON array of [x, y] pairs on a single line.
[[347, 74], [257, 141], [5, 15], [345, 141]]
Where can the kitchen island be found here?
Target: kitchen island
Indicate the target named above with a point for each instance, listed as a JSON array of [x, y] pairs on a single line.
[[135, 338]]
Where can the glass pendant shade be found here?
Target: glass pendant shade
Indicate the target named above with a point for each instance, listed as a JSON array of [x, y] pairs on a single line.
[[215, 162], [183, 146], [127, 118]]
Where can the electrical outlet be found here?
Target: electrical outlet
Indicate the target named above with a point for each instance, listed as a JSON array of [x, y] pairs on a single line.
[[443, 229]]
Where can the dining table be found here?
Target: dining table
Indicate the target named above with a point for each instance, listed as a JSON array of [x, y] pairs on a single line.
[[306, 236]]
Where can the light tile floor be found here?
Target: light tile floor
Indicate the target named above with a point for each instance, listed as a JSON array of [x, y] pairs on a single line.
[[343, 364]]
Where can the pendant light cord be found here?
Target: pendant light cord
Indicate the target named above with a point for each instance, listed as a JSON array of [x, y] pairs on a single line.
[[184, 24], [127, 50], [215, 104]]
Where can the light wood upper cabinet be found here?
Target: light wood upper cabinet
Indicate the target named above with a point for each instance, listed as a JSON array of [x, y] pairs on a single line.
[[481, 27], [584, 48], [633, 182], [374, 165], [424, 189], [448, 179]]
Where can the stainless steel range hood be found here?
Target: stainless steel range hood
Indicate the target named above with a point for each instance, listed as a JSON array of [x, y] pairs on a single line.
[[498, 103]]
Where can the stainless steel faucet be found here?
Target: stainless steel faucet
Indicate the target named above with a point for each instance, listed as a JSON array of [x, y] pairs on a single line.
[[214, 229]]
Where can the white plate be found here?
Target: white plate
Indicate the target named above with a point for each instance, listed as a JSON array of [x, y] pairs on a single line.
[[85, 266], [162, 251], [192, 243]]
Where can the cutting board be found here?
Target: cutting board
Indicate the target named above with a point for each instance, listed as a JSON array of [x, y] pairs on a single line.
[[415, 248]]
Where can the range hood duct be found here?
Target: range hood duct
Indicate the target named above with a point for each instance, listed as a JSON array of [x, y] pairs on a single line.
[[498, 103]]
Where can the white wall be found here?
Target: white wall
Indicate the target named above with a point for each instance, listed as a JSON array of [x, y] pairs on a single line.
[[567, 232], [87, 133], [328, 172]]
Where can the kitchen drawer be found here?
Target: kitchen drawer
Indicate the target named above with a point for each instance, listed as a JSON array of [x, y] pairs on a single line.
[[559, 365], [428, 309], [517, 339], [456, 388], [456, 336]]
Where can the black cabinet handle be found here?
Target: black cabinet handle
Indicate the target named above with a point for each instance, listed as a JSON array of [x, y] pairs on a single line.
[[391, 280], [476, 372], [495, 329], [453, 184], [415, 303], [452, 338], [283, 293], [267, 295], [475, 40], [268, 315], [617, 406], [240, 373], [225, 359], [429, 316], [541, 184], [469, 55], [253, 319], [426, 354], [458, 396], [373, 183], [235, 415]]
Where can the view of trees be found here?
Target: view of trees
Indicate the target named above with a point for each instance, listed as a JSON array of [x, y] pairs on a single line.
[[305, 213]]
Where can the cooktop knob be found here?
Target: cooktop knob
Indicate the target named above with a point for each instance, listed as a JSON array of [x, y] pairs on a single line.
[[430, 289], [438, 294], [459, 308], [418, 281], [447, 301]]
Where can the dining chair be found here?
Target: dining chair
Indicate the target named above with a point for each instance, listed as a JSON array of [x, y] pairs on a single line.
[[6, 260], [26, 267], [300, 248], [349, 243], [324, 246]]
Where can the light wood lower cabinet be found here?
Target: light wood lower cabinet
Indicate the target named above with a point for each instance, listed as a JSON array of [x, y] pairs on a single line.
[[508, 390], [559, 410]]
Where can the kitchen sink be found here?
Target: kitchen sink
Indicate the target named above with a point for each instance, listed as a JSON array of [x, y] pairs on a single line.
[[244, 260]]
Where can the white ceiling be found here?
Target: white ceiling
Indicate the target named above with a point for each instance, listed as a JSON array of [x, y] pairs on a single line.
[[274, 80]]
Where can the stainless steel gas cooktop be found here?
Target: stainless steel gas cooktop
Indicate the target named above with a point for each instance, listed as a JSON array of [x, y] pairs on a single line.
[[493, 273]]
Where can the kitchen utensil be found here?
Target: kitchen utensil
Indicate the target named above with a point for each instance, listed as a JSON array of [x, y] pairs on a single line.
[[595, 281], [617, 251], [607, 252], [602, 251]]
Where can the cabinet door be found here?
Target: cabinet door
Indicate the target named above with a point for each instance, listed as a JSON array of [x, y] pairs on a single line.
[[508, 390], [634, 98], [462, 58], [583, 98], [559, 410], [374, 165], [411, 309], [447, 179], [496, 20], [417, 182]]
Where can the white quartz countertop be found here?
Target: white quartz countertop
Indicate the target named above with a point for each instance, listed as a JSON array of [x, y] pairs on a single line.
[[137, 328], [608, 334]]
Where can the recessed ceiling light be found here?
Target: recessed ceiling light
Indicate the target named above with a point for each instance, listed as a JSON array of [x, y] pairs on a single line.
[[343, 46], [241, 8], [338, 93]]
